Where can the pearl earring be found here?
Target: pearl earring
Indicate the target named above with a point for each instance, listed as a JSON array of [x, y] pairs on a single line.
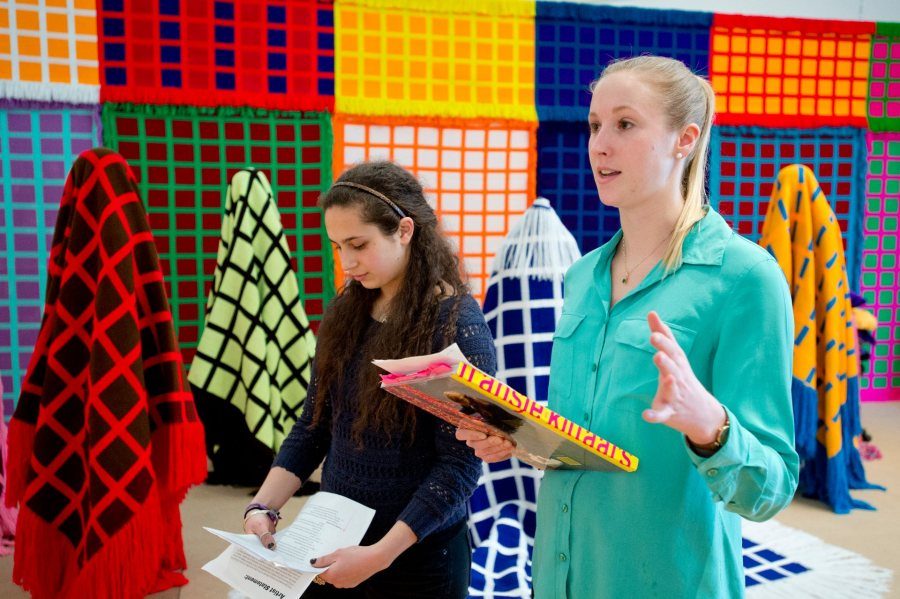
[[679, 155]]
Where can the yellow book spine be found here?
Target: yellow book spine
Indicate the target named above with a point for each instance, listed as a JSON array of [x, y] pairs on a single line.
[[473, 378]]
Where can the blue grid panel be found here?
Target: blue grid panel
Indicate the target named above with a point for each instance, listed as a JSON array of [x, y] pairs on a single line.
[[37, 147], [746, 161], [574, 42], [564, 177]]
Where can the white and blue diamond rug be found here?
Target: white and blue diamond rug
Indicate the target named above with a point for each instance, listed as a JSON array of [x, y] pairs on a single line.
[[780, 561]]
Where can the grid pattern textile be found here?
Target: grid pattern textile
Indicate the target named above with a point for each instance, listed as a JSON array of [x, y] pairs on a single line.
[[477, 175], [105, 440], [576, 41], [435, 58], [185, 157], [749, 158], [48, 50], [789, 72], [880, 271], [523, 302], [275, 54], [38, 144], [564, 177], [784, 563], [257, 347], [802, 234], [884, 79]]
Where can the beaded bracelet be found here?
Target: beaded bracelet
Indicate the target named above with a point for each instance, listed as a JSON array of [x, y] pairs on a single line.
[[261, 508]]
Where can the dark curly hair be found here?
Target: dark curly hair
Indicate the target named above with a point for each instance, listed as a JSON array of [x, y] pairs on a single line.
[[432, 273]]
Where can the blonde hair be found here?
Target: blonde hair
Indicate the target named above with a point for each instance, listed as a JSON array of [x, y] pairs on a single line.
[[686, 98]]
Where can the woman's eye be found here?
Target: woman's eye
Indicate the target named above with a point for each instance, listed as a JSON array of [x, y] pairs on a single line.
[[358, 247], [594, 127], [625, 124]]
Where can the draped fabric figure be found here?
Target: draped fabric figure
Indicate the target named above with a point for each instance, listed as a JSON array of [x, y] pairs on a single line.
[[523, 301], [105, 439], [257, 347], [802, 233]]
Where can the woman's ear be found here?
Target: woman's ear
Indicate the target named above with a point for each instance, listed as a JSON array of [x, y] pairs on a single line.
[[688, 139], [406, 229]]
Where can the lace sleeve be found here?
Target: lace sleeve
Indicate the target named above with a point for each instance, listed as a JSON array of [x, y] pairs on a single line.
[[304, 448], [452, 480]]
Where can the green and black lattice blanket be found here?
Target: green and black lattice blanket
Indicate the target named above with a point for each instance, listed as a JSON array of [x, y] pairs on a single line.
[[256, 348]]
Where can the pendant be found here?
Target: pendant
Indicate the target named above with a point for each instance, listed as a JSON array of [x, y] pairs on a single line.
[[625, 279]]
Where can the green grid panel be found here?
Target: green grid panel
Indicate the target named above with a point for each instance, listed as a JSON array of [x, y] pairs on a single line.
[[185, 157], [880, 269]]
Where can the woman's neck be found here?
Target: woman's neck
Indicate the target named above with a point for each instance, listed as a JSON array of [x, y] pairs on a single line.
[[644, 226]]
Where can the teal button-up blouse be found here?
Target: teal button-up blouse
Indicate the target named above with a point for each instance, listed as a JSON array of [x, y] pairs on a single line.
[[672, 528]]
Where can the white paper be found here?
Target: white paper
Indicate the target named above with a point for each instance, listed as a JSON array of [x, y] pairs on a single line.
[[450, 355], [258, 578], [327, 522]]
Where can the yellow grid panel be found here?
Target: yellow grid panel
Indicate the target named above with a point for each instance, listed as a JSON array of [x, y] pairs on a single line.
[[434, 60], [51, 41], [478, 175], [769, 76]]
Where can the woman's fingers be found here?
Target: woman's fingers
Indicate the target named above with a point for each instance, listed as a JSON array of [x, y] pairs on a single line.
[[467, 434]]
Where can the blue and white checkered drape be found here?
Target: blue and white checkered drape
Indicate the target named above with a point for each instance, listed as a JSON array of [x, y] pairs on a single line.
[[522, 303]]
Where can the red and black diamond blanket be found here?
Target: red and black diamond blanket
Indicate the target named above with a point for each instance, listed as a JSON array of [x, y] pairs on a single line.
[[105, 439]]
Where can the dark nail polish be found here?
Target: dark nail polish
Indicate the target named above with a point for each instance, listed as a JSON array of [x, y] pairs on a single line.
[[313, 561], [270, 545]]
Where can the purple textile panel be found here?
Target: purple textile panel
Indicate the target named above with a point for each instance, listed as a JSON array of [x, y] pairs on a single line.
[[38, 144]]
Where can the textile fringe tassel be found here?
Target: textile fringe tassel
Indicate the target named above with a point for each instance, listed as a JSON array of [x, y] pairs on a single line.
[[833, 571], [50, 92], [128, 565], [539, 244]]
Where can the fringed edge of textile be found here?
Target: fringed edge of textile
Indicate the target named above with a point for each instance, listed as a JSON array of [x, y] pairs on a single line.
[[813, 26], [172, 110], [565, 113], [884, 124], [622, 15], [786, 121], [408, 108], [522, 8], [20, 441], [539, 244], [806, 416], [127, 565], [831, 479], [216, 98], [50, 92], [831, 567], [887, 29], [178, 453]]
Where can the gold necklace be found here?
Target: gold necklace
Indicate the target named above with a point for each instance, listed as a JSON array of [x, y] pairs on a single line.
[[628, 271]]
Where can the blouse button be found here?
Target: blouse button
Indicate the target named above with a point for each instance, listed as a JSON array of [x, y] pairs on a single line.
[[562, 557]]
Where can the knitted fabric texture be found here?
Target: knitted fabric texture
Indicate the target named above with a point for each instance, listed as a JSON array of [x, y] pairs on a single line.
[[256, 348], [105, 439], [425, 484], [523, 302], [802, 233]]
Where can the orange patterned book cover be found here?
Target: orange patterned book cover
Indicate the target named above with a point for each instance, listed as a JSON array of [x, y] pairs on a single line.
[[447, 386]]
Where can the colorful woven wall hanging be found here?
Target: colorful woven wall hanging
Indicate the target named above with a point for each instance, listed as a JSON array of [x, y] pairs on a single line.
[[273, 54], [38, 144], [884, 79], [434, 58], [564, 177], [185, 157], [748, 159], [575, 42], [789, 72], [478, 175], [48, 51], [880, 270]]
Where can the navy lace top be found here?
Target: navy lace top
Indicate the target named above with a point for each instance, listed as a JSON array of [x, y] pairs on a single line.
[[426, 485]]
